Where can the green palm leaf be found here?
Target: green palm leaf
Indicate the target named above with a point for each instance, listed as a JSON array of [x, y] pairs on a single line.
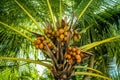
[[51, 13], [83, 67], [94, 44], [17, 31], [38, 26], [91, 74], [60, 15], [84, 9], [28, 61]]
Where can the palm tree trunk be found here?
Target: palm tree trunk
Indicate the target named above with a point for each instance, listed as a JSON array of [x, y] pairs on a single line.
[[62, 72]]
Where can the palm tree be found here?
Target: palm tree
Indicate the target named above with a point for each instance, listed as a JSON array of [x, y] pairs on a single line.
[[24, 21]]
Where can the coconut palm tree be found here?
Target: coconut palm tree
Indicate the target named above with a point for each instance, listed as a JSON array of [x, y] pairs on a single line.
[[25, 24]]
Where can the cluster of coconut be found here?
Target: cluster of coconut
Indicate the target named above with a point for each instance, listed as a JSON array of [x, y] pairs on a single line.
[[63, 35], [73, 55], [50, 33], [76, 35], [41, 43]]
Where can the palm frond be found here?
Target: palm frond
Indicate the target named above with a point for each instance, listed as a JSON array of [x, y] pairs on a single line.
[[91, 74], [83, 67], [38, 26], [51, 13], [28, 61], [94, 44], [60, 17], [16, 31], [85, 9]]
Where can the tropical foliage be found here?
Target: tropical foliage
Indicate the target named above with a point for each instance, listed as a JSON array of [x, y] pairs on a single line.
[[96, 21]]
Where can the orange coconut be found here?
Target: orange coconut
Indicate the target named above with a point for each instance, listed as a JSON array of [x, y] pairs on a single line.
[[77, 56]]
